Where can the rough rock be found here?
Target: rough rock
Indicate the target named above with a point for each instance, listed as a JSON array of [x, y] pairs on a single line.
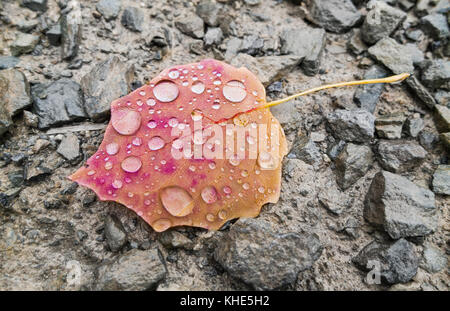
[[352, 125], [306, 150], [427, 139], [109, 8], [264, 258], [71, 30], [442, 118], [445, 138], [252, 45], [366, 96], [35, 5], [333, 15], [23, 44], [421, 92], [5, 120], [436, 25], [333, 199], [442, 97], [308, 50], [135, 270], [133, 19], [400, 156], [210, 12], [69, 147], [437, 74], [397, 261], [413, 126], [355, 44], [213, 36], [434, 260], [30, 119], [104, 83], [390, 126], [381, 21], [174, 239], [352, 163], [190, 24], [399, 206], [115, 234], [58, 102], [393, 55], [441, 180], [54, 35], [8, 62], [14, 91]]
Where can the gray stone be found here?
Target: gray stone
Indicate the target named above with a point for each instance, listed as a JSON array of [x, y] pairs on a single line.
[[58, 102], [190, 24], [436, 25], [421, 92], [406, 5], [437, 74], [174, 239], [445, 138], [393, 55], [136, 270], [442, 97], [441, 180], [259, 255], [30, 119], [308, 50], [355, 44], [7, 62], [352, 125], [399, 156], [69, 147], [14, 91], [333, 15], [427, 139], [306, 150], [442, 118], [333, 199], [232, 48], [213, 36], [104, 83], [390, 126], [23, 44], [434, 260], [417, 55], [252, 45], [71, 25], [54, 35], [109, 8], [5, 120], [16, 178], [133, 19], [115, 234], [398, 261], [35, 5], [380, 22], [27, 25], [413, 126], [210, 12], [352, 163], [335, 149], [400, 207], [414, 34], [425, 7], [366, 96]]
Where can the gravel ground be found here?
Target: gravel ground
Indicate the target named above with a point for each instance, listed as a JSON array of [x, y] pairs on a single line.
[[365, 190]]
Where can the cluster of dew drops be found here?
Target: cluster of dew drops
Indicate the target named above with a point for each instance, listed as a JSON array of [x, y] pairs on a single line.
[[166, 91]]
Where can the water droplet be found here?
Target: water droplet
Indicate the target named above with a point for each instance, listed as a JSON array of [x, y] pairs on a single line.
[[251, 140], [174, 74], [209, 194], [217, 82], [91, 172], [177, 144], [165, 91], [198, 87], [196, 115], [172, 122], [126, 121], [161, 225], [244, 173], [151, 124], [177, 201], [212, 165], [117, 184], [222, 214], [137, 141], [112, 148], [246, 186], [131, 164], [156, 143], [226, 190], [108, 165], [151, 102], [210, 217], [234, 160], [234, 91], [261, 189], [266, 161]]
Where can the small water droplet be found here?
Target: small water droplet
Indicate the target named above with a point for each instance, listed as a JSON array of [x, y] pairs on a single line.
[[161, 225], [234, 91], [227, 190], [266, 161], [151, 124], [196, 115], [210, 217], [156, 143], [151, 102], [166, 91], [244, 173], [108, 165], [234, 160], [212, 165], [131, 164], [246, 186], [172, 122], [91, 172], [126, 121], [222, 214], [261, 189], [112, 148], [117, 184], [177, 201], [209, 194], [198, 87], [137, 141], [174, 74]]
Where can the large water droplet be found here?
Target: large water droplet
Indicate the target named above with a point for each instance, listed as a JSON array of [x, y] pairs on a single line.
[[234, 91], [126, 121], [161, 225], [177, 201], [112, 148], [131, 164], [209, 194], [166, 91], [222, 214], [156, 143], [173, 74], [266, 161], [198, 87], [234, 160]]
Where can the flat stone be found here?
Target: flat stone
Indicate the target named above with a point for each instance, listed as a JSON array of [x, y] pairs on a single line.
[[390, 126], [437, 74], [14, 91], [109, 8], [71, 25], [441, 180], [352, 125], [105, 82], [7, 62], [213, 36], [381, 21], [413, 126], [191, 25], [436, 25], [333, 199], [136, 270], [366, 96], [352, 163], [399, 156], [258, 254], [442, 97], [420, 91], [427, 139], [210, 12], [54, 35], [397, 261], [434, 260], [23, 44], [35, 5], [333, 15], [133, 19], [115, 234], [445, 138], [400, 207], [306, 150], [442, 118], [355, 44], [69, 147], [393, 55], [58, 102]]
